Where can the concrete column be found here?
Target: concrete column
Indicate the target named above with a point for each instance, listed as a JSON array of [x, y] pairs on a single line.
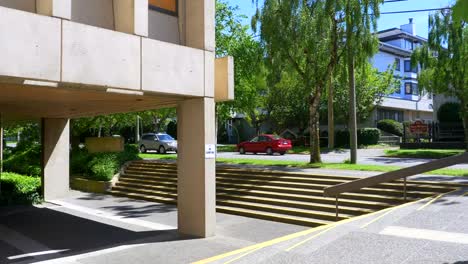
[[55, 8], [55, 157], [200, 24], [196, 167], [131, 16]]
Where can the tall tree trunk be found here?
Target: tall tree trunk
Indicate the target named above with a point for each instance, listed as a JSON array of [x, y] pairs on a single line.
[[314, 128], [331, 117]]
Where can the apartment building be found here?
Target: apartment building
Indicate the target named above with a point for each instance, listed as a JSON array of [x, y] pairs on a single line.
[[408, 103], [63, 59]]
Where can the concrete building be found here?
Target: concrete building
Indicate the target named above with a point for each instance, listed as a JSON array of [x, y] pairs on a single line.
[[63, 59], [406, 104]]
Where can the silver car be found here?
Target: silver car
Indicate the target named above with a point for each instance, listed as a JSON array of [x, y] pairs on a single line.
[[161, 142]]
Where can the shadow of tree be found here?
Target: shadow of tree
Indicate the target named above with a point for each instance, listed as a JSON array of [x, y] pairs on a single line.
[[131, 211]]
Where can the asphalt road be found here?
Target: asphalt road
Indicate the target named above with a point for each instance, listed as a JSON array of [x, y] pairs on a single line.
[[365, 156]]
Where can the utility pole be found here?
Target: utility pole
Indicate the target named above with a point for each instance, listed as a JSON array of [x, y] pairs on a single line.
[[331, 118], [352, 86]]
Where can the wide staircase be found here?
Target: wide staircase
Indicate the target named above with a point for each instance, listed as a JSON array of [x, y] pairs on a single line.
[[293, 198]]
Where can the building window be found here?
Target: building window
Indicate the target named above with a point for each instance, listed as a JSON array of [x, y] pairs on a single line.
[[408, 67], [408, 88], [414, 88], [164, 6], [397, 64], [390, 114]]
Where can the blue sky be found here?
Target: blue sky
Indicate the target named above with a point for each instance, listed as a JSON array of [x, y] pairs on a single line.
[[385, 21]]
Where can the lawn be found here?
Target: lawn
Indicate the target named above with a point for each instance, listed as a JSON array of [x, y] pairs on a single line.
[[298, 164], [422, 153]]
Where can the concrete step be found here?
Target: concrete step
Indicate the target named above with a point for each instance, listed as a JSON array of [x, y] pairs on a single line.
[[167, 193], [139, 196], [287, 190], [315, 214], [294, 204], [306, 198], [272, 216]]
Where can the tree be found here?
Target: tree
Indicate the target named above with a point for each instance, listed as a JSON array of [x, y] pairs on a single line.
[[303, 36], [361, 44], [233, 38], [443, 60]]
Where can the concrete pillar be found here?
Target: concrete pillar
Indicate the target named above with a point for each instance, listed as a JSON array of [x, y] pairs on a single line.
[[55, 157], [55, 8], [196, 167], [131, 16]]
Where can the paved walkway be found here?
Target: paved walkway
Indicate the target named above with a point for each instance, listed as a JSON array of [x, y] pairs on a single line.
[[365, 156], [89, 228]]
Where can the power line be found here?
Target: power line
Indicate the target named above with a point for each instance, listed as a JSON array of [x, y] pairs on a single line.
[[414, 11]]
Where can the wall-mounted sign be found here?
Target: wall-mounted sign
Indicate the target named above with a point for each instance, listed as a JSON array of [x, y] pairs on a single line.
[[418, 127], [210, 151]]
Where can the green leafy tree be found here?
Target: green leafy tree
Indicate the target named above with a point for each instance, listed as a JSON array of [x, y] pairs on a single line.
[[444, 60], [302, 36], [233, 38]]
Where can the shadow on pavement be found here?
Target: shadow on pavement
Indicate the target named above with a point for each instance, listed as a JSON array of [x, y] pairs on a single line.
[[130, 211], [41, 229]]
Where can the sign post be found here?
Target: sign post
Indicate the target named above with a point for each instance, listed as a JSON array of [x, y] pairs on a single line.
[[418, 128]]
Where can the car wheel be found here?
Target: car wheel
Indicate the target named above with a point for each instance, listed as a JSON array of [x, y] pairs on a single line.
[[142, 149], [282, 153], [162, 150], [269, 151], [242, 151]]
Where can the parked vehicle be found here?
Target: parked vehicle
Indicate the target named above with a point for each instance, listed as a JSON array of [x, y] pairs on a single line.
[[160, 142], [268, 144]]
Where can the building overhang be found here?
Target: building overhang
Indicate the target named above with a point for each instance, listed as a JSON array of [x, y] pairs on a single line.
[[49, 63]]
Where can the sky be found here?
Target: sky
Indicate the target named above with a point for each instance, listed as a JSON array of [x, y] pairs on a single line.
[[385, 22]]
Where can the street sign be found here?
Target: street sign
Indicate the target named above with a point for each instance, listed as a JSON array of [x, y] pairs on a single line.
[[418, 127]]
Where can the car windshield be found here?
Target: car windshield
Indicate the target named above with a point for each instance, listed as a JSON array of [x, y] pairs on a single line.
[[165, 137], [276, 137]]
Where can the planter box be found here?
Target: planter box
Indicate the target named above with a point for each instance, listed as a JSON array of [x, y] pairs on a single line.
[[86, 185]]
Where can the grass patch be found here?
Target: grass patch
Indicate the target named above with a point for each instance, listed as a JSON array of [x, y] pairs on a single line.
[[158, 156], [422, 153], [226, 148]]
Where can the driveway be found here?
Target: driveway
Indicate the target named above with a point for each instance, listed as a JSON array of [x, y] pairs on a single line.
[[365, 156]]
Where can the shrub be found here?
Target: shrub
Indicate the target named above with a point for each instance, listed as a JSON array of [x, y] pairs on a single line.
[[368, 136], [391, 126], [19, 189], [449, 113], [365, 137], [172, 129], [25, 160], [101, 166]]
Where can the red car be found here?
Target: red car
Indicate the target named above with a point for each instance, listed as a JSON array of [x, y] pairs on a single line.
[[268, 144]]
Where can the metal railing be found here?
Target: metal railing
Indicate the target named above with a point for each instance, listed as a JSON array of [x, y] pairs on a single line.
[[336, 190]]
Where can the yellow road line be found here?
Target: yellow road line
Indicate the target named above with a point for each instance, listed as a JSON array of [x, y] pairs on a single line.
[[241, 256], [261, 245], [252, 248], [435, 199], [310, 238]]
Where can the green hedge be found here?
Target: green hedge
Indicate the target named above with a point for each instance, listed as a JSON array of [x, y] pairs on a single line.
[[391, 126], [366, 137], [19, 189], [101, 166]]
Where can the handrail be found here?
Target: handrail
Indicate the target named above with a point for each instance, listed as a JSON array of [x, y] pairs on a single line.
[[336, 190]]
